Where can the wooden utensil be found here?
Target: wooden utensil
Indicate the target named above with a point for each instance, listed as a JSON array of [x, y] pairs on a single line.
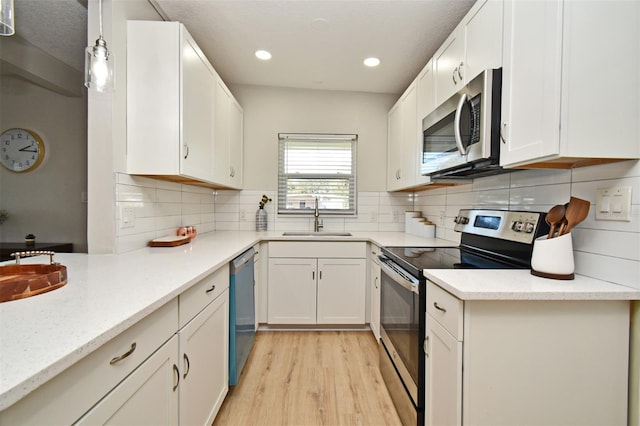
[[555, 218], [576, 212]]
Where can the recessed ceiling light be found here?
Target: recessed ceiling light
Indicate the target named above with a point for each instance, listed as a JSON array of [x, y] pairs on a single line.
[[263, 54], [372, 62]]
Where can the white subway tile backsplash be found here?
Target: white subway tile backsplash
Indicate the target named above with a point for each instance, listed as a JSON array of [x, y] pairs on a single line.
[[608, 250]]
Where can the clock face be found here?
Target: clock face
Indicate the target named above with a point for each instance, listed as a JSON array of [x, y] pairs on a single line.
[[21, 150]]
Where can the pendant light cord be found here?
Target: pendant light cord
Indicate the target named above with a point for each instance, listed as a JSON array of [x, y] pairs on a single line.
[[100, 16]]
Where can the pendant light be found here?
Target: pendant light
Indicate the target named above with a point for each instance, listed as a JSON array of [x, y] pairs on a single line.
[[7, 26], [99, 65]]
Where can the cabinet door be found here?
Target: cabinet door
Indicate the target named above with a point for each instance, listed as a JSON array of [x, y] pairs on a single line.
[[446, 63], [531, 81], [341, 291], [198, 90], [483, 38], [221, 138], [375, 298], [410, 140], [147, 397], [444, 376], [236, 130], [204, 363], [394, 147], [292, 291], [426, 93]]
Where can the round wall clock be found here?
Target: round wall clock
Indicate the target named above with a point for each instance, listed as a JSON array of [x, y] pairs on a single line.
[[21, 150]]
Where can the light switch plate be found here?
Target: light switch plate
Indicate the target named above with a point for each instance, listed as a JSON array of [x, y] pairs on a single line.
[[614, 203], [127, 217]]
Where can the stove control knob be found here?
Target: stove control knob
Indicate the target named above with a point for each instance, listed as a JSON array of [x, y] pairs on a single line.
[[529, 227], [518, 226], [464, 220]]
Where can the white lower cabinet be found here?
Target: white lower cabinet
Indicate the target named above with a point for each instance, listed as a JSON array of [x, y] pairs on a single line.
[[306, 289], [510, 362], [149, 396], [204, 358]]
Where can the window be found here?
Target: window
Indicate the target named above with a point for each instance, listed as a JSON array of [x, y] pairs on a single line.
[[318, 166]]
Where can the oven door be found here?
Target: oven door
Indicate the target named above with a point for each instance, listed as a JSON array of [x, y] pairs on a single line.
[[401, 328]]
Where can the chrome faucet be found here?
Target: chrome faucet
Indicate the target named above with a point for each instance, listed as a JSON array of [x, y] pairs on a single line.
[[317, 223]]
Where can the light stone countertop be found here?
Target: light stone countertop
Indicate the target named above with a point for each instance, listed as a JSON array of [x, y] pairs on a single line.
[[43, 335], [514, 284]]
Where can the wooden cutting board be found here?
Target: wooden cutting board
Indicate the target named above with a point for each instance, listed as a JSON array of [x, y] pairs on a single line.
[[171, 241]]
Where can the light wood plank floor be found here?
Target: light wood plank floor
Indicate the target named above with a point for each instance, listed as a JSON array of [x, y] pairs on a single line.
[[310, 378]]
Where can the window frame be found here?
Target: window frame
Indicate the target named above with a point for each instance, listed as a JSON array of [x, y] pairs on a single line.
[[283, 178]]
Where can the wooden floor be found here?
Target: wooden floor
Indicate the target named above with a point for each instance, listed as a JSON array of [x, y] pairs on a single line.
[[310, 378]]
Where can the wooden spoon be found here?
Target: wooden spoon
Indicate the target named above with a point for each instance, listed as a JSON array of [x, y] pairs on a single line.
[[576, 212], [555, 218]]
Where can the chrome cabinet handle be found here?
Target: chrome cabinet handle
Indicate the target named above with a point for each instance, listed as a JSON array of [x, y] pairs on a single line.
[[320, 275], [175, 370], [375, 282], [502, 130], [453, 75], [458, 69], [313, 275], [117, 359], [186, 149], [213, 287], [438, 307], [187, 365]]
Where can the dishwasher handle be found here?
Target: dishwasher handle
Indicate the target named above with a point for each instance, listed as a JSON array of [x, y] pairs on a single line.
[[241, 261]]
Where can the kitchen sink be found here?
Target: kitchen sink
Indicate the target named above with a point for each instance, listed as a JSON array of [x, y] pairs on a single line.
[[316, 234]]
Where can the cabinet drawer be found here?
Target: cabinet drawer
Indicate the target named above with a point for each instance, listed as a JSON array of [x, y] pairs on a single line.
[[446, 309], [348, 249], [202, 293], [66, 397]]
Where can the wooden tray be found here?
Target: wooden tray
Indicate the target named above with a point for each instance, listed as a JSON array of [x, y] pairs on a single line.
[[171, 241], [20, 281]]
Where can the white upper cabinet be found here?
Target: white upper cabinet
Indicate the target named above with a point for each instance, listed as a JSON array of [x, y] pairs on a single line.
[[175, 121], [228, 138], [403, 141], [570, 83], [475, 45]]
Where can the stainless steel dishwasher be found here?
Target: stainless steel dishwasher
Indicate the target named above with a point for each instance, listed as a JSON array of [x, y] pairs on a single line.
[[242, 319]]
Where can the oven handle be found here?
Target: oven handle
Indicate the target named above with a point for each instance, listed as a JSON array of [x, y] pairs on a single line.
[[398, 278]]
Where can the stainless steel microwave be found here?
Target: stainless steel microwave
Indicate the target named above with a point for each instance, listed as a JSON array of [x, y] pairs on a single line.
[[461, 138]]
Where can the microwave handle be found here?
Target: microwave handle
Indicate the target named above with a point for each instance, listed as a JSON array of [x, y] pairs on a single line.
[[456, 124]]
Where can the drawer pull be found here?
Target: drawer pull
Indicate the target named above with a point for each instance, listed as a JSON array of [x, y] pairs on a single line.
[[213, 287], [187, 366], [124, 355], [438, 307], [175, 370]]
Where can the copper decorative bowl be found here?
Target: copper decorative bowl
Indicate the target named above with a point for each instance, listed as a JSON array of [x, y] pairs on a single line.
[[20, 281]]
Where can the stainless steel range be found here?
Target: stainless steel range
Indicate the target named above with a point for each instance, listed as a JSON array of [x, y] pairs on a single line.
[[491, 239]]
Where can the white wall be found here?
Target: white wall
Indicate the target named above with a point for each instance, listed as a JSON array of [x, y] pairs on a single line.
[[269, 111], [46, 201]]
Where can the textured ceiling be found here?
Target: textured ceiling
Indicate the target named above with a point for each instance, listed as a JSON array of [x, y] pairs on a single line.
[[317, 44], [59, 27]]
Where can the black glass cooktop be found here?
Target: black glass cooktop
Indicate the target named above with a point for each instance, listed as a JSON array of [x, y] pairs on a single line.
[[415, 259]]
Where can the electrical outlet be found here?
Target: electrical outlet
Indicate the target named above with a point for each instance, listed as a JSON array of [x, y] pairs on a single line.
[[127, 217], [374, 217], [441, 218], [396, 216], [243, 216]]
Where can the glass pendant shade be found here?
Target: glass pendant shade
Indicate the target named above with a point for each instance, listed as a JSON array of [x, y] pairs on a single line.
[[99, 67], [7, 25]]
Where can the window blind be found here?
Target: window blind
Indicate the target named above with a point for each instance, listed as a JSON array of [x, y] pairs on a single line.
[[321, 166]]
